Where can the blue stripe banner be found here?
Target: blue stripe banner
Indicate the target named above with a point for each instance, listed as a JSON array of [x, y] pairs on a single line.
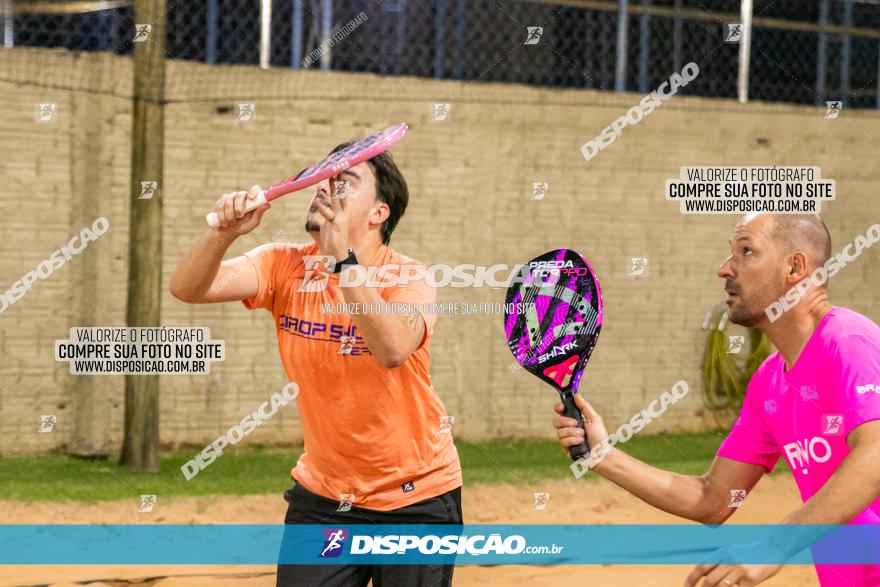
[[433, 544]]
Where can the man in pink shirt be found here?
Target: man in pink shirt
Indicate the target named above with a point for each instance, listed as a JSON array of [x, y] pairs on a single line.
[[815, 403]]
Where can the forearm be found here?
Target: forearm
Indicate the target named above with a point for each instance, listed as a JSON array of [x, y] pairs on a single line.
[[838, 502], [195, 272], [686, 496], [847, 493], [390, 336], [850, 489]]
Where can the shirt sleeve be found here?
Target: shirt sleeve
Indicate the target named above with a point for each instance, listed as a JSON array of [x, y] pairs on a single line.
[[853, 374], [419, 293], [750, 440], [265, 261]]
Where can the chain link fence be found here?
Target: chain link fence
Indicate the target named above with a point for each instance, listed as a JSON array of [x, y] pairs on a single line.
[[804, 52]]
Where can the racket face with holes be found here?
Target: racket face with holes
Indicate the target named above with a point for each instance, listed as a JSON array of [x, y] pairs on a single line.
[[553, 315], [339, 161]]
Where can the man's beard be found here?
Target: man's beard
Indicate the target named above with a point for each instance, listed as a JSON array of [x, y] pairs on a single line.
[[312, 223], [744, 313]]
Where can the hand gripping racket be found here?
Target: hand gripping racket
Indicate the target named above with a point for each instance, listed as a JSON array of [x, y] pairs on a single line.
[[553, 314], [328, 167]]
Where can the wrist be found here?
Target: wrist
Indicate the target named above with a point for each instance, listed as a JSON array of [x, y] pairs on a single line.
[[348, 259], [604, 456], [221, 237], [338, 253]]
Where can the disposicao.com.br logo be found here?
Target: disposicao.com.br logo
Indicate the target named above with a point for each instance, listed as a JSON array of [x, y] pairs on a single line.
[[394, 544]]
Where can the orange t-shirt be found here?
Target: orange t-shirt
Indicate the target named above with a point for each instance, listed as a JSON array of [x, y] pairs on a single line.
[[368, 431]]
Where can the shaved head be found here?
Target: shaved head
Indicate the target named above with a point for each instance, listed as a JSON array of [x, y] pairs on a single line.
[[770, 253], [802, 232]]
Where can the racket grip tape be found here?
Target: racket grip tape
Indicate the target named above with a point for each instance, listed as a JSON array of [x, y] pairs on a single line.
[[572, 411], [213, 219]]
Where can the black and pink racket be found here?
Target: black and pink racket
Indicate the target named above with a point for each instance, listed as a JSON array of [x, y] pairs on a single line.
[[553, 314], [330, 166]]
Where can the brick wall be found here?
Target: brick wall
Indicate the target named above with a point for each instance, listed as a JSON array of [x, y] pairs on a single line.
[[470, 178]]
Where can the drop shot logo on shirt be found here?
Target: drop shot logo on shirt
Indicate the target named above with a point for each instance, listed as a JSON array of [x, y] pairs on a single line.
[[801, 454], [347, 337]]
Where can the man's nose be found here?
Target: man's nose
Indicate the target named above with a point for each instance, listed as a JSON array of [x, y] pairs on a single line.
[[324, 188], [725, 270], [322, 194]]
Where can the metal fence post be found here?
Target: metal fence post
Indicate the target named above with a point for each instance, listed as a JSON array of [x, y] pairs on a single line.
[[8, 24], [296, 35], [265, 33], [441, 7], [822, 52], [622, 28], [644, 46], [211, 34], [326, 24], [745, 51]]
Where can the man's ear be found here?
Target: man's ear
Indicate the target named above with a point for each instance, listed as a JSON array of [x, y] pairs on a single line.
[[798, 269], [380, 213]]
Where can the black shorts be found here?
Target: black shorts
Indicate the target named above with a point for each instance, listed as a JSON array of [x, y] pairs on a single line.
[[305, 507]]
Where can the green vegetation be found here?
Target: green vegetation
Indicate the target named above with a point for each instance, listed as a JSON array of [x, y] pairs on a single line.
[[266, 471], [726, 369], [529, 462]]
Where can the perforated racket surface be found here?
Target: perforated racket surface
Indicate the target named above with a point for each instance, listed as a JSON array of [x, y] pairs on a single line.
[[330, 166], [553, 315]]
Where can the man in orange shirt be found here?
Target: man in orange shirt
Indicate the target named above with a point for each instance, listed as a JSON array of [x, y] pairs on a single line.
[[377, 447]]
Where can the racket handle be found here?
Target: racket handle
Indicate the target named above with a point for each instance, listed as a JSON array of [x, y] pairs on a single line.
[[214, 221], [572, 411]]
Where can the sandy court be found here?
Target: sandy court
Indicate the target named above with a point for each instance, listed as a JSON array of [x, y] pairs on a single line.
[[570, 502]]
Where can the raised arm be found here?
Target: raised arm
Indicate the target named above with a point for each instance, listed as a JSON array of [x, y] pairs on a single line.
[[391, 337], [202, 276]]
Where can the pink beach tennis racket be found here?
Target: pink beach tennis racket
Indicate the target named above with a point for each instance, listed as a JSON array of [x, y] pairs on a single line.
[[330, 166], [552, 319]]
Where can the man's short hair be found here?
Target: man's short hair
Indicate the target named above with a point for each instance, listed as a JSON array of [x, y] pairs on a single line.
[[391, 188], [803, 232]]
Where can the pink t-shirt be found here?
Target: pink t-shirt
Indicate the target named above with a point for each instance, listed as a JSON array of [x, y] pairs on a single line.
[[805, 415]]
